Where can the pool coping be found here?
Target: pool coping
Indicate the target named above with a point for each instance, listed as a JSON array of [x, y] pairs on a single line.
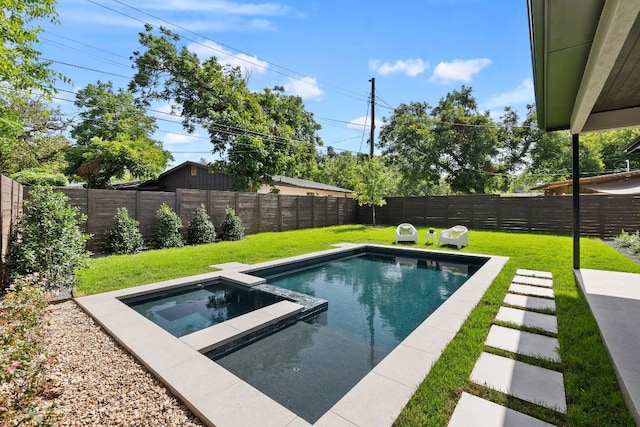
[[220, 398]]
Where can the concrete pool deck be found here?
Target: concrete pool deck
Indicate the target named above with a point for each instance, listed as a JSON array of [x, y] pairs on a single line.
[[220, 398], [614, 301]]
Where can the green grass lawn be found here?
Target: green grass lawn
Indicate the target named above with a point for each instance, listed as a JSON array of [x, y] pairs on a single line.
[[593, 396]]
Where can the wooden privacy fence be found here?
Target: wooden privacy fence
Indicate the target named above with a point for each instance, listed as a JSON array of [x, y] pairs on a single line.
[[602, 216], [11, 193], [259, 212]]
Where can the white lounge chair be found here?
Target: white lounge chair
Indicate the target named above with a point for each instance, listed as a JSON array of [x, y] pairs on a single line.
[[406, 232], [458, 236]]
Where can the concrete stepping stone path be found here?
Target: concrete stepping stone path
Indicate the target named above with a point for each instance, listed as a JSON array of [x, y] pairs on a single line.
[[530, 302], [533, 281], [529, 319], [471, 409], [535, 291], [530, 289], [534, 384], [534, 273], [522, 342]]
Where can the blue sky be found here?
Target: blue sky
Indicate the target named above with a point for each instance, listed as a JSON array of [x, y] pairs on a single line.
[[324, 51]]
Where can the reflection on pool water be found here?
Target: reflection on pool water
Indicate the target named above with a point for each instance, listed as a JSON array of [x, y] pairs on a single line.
[[375, 302], [197, 307]]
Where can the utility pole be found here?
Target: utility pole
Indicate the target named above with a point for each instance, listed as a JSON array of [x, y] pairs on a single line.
[[373, 114]]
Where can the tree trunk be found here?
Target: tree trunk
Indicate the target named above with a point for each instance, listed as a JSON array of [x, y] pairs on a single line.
[[374, 214]]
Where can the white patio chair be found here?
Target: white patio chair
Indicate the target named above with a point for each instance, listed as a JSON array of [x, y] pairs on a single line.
[[406, 232], [457, 235]]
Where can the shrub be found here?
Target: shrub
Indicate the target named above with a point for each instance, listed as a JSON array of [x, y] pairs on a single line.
[[47, 239], [231, 228], [125, 237], [23, 354], [201, 229], [625, 239], [39, 176], [167, 234]]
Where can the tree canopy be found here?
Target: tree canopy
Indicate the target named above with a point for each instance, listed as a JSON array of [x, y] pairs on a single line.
[[113, 138], [39, 141], [257, 135]]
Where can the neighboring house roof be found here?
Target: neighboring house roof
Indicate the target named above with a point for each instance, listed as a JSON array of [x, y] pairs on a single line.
[[303, 183], [585, 62], [632, 147], [189, 175], [614, 183]]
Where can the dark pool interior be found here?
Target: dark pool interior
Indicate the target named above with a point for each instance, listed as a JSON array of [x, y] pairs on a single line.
[[376, 299]]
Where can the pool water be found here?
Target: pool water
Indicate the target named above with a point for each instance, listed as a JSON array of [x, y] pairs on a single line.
[[201, 306], [375, 302]]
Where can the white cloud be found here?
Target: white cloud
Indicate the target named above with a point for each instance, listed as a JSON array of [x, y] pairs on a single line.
[[181, 138], [306, 88], [362, 122], [522, 94], [458, 70], [246, 62], [410, 67]]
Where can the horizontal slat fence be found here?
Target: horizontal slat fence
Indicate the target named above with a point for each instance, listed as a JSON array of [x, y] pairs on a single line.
[[603, 216], [11, 194], [259, 212]]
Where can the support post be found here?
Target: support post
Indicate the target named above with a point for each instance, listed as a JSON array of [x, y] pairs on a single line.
[[576, 200]]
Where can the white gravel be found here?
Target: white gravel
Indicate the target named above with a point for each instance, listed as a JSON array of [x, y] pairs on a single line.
[[97, 383]]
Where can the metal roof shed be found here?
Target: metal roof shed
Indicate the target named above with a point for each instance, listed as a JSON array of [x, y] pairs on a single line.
[[586, 65]]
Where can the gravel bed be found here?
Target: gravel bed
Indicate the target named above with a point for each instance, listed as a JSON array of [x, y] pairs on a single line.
[[96, 382]]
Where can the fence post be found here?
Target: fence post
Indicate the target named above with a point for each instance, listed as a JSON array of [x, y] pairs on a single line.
[[91, 209], [258, 209]]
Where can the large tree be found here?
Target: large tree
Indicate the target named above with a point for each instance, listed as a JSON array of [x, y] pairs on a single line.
[[20, 65], [21, 69], [256, 135], [113, 138], [453, 141], [407, 143], [39, 142]]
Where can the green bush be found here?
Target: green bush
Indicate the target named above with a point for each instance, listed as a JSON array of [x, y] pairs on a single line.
[[627, 240], [231, 228], [125, 237], [201, 229], [47, 239], [23, 354], [39, 176], [167, 232]]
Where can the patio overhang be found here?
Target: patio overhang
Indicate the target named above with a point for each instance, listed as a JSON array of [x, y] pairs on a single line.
[[586, 57], [586, 64]]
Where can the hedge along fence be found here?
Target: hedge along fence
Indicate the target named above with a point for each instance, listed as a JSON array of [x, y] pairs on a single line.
[[259, 212], [602, 216]]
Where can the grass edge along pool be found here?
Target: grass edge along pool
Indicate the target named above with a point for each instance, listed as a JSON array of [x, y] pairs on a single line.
[[189, 374]]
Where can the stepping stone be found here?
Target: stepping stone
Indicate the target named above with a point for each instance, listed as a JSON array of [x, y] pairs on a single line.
[[530, 319], [534, 384], [533, 281], [472, 408], [531, 290], [522, 342], [526, 301], [534, 273]]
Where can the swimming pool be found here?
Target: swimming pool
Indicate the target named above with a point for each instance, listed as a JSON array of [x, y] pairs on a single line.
[[218, 397], [375, 301]]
